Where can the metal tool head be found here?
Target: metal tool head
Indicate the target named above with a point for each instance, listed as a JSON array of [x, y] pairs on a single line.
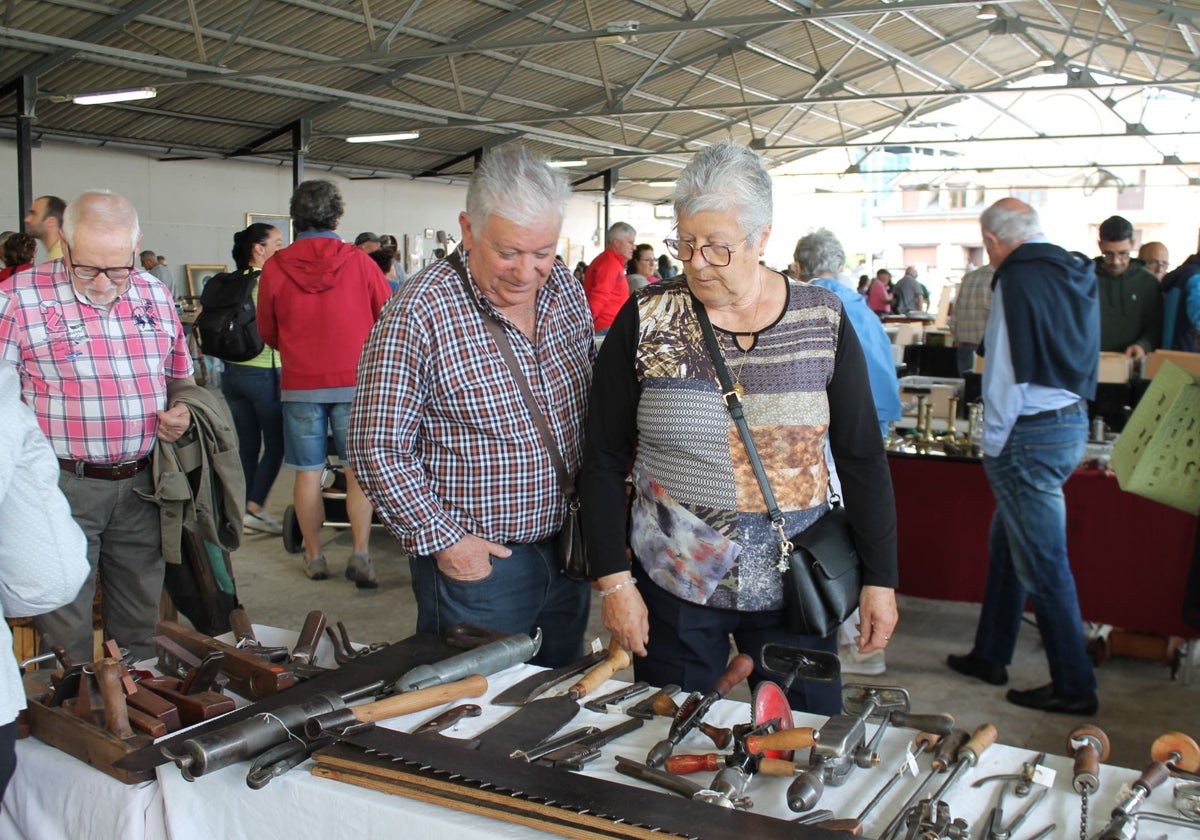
[[794, 663], [856, 698]]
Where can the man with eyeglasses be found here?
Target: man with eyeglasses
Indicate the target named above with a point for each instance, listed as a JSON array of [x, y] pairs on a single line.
[[96, 342], [1131, 309]]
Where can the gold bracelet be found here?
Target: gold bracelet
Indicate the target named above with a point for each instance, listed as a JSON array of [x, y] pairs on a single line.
[[604, 593]]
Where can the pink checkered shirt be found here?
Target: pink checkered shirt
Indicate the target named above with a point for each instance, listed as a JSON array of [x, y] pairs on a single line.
[[94, 377]]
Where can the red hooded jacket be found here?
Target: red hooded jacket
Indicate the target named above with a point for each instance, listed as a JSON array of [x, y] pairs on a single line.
[[317, 300]]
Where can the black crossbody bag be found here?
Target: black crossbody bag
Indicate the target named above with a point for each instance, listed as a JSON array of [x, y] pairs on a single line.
[[568, 545], [820, 568]]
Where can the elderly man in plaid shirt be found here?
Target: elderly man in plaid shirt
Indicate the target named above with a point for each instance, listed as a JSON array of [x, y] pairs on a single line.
[[440, 436], [95, 342]]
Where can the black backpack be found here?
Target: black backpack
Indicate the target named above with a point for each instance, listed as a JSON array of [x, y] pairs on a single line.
[[227, 327]]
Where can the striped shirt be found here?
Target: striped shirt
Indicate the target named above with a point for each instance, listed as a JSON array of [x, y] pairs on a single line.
[[93, 376], [440, 438]]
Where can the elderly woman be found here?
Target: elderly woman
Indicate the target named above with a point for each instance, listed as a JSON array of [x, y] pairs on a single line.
[[702, 547]]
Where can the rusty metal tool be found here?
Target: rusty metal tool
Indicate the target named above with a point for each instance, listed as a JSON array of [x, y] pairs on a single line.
[[687, 719], [1088, 746], [664, 706], [924, 742], [1030, 772], [946, 749], [243, 630], [610, 703], [448, 718], [932, 819], [576, 756], [537, 684], [555, 742], [996, 829], [968, 756], [344, 650]]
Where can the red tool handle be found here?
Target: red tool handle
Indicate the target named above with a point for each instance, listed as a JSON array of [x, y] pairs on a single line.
[[682, 764]]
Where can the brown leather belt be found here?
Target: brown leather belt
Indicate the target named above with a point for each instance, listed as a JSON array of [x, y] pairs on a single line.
[[108, 472]]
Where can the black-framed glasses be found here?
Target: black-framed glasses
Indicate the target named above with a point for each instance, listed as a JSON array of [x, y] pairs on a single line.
[[87, 273], [717, 256]]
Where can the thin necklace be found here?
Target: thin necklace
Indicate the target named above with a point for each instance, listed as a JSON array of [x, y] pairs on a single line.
[[737, 377]]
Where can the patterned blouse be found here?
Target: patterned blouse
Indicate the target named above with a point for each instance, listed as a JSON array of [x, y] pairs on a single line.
[[698, 522]]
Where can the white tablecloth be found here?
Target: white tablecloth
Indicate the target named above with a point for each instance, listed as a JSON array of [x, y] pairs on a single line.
[[54, 796]]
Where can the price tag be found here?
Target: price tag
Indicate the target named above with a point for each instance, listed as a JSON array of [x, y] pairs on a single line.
[[1043, 775], [596, 646]]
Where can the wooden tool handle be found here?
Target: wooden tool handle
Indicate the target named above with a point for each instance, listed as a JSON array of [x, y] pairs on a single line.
[[939, 724], [927, 741], [592, 680], [310, 636], [1177, 748], [948, 748], [784, 739], [739, 668], [664, 706], [1154, 775], [776, 767], [982, 738], [149, 724], [720, 737], [1089, 746], [419, 700], [239, 622], [682, 764], [116, 716]]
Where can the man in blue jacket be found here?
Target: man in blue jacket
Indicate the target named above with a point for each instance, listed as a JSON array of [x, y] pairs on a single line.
[[1042, 342]]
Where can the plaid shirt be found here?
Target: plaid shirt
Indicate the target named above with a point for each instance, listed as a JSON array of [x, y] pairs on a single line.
[[93, 376], [440, 438], [971, 306]]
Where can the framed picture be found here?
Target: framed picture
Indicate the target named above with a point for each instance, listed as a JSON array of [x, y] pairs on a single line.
[[276, 220], [198, 275]]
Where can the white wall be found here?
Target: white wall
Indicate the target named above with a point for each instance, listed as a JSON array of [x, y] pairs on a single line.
[[190, 209]]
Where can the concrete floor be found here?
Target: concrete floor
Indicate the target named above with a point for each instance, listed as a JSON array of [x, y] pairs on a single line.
[[1138, 700]]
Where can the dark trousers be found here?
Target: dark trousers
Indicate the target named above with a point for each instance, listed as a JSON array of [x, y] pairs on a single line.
[[253, 397], [689, 647], [8, 754]]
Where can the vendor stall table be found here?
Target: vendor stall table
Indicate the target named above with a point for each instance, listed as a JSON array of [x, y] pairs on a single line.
[[55, 796], [1130, 555]]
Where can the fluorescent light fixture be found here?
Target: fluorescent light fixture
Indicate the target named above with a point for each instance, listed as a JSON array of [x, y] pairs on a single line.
[[383, 138], [665, 185], [615, 40], [106, 97], [566, 164], [1044, 60], [987, 12]]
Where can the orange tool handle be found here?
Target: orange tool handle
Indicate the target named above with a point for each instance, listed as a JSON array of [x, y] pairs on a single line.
[[784, 739], [693, 763]]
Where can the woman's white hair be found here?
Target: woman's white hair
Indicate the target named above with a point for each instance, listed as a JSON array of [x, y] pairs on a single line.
[[727, 177]]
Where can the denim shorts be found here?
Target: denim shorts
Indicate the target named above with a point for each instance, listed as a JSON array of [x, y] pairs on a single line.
[[306, 427]]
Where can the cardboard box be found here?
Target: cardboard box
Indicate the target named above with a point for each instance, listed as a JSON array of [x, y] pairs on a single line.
[[1114, 367], [1158, 453], [1154, 362]]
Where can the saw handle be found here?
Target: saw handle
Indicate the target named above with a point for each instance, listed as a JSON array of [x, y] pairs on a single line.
[[617, 660], [937, 724], [785, 739], [683, 764], [419, 699], [740, 667]]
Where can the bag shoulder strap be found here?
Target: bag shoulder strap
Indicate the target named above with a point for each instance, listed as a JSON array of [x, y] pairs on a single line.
[[504, 345]]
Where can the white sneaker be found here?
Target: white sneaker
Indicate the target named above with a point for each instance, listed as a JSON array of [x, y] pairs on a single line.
[[262, 522], [866, 664]]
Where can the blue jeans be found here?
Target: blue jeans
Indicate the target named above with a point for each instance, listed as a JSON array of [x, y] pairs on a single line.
[[524, 591], [253, 397], [1028, 551], [689, 647], [306, 429]]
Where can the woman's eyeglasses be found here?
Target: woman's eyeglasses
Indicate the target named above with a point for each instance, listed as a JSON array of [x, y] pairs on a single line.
[[715, 255]]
